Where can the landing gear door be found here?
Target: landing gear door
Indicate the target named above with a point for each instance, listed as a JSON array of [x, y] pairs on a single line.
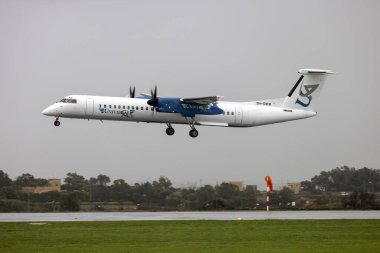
[[238, 115], [89, 107]]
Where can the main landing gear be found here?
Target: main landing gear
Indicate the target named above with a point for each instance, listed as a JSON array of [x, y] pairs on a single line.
[[170, 130], [193, 132], [56, 122]]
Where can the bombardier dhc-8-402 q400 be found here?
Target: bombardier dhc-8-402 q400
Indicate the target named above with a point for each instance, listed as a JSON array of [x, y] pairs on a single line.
[[203, 111]]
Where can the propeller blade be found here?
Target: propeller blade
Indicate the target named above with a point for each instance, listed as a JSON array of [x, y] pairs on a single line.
[[153, 101], [132, 91]]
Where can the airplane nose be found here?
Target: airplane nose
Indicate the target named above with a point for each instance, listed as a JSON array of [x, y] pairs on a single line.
[[48, 111], [45, 111]]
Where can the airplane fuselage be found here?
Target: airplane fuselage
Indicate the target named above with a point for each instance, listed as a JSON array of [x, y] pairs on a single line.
[[206, 111], [230, 114]]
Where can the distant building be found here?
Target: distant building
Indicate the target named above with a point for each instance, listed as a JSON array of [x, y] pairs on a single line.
[[54, 185], [295, 187], [239, 184]]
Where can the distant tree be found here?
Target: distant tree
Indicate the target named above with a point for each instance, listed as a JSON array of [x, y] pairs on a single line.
[[25, 179], [249, 198], [344, 179], [230, 195], [69, 202], [359, 200], [120, 190], [206, 194], [8, 192], [93, 181], [286, 195], [102, 180], [163, 184], [216, 204], [175, 200], [74, 182], [161, 190], [227, 191], [282, 198], [4, 179], [190, 198], [308, 187]]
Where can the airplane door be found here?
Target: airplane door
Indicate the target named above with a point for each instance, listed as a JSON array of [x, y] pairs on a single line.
[[89, 107], [238, 115]]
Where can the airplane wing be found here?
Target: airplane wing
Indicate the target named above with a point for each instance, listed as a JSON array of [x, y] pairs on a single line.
[[200, 100]]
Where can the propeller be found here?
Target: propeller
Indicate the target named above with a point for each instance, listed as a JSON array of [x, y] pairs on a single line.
[[153, 101], [132, 91]]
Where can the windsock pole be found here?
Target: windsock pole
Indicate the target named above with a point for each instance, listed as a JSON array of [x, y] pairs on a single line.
[[269, 189], [268, 199]]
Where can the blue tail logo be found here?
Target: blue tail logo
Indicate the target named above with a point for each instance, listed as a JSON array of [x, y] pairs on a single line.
[[309, 89]]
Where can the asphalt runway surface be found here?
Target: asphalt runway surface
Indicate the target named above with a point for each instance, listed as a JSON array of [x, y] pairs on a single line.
[[228, 215]]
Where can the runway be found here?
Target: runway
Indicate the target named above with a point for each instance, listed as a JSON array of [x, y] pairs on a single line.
[[243, 215]]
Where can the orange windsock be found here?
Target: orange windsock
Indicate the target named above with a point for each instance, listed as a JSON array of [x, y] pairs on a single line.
[[269, 183]]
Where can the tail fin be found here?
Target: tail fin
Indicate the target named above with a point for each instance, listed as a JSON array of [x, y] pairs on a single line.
[[306, 90]]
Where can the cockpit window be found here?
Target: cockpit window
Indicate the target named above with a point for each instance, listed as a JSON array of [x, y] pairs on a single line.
[[68, 100]]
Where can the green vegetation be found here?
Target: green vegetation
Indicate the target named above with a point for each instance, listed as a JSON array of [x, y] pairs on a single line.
[[193, 236], [340, 188], [344, 179]]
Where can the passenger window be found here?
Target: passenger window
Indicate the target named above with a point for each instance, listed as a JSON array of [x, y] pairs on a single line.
[[137, 107], [228, 113], [232, 113], [142, 108], [110, 106], [105, 106], [147, 108], [128, 107], [119, 107], [133, 107], [100, 106], [123, 106], [151, 108], [114, 107]]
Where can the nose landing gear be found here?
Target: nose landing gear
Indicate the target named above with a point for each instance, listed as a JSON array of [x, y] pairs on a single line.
[[56, 122]]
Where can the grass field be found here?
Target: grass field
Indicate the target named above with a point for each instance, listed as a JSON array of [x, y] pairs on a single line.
[[193, 236]]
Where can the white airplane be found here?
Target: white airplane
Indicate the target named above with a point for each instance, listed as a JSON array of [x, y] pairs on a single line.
[[203, 111]]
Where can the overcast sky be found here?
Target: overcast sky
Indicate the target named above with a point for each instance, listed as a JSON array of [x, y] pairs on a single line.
[[244, 50]]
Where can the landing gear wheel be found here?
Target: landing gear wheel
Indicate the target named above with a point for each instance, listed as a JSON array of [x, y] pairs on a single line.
[[193, 133], [170, 131], [57, 123]]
